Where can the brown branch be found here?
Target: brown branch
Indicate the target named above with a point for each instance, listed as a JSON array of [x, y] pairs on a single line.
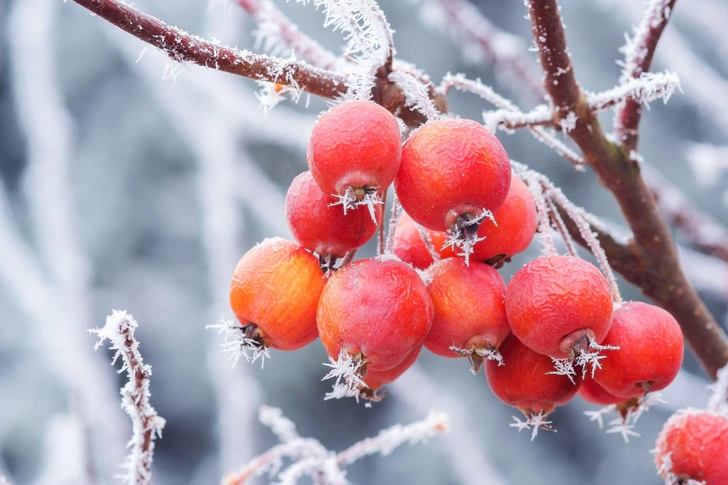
[[639, 53], [653, 264], [183, 47]]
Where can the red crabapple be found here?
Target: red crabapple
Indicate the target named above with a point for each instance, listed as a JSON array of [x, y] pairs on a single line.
[[354, 152], [560, 306], [374, 380], [525, 382], [693, 445], [274, 294], [592, 392], [650, 351], [409, 245], [373, 312], [453, 173], [321, 228], [516, 226], [470, 315]]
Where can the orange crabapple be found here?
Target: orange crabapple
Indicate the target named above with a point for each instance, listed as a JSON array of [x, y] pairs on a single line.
[[354, 153], [453, 173], [525, 382], [274, 294], [470, 315], [693, 448], [650, 351], [374, 311], [318, 226], [410, 247], [560, 306]]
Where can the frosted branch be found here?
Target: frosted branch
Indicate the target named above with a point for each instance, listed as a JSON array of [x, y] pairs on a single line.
[[719, 399], [638, 53], [310, 458], [560, 226], [416, 93], [276, 34], [425, 236], [390, 439], [483, 41], [181, 46], [146, 424], [510, 120], [645, 89], [392, 226]]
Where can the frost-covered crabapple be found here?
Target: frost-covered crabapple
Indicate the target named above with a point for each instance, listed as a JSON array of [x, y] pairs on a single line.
[[451, 172], [274, 294], [556, 305], [374, 380], [376, 310], [693, 445], [409, 245], [470, 315], [515, 229], [650, 351], [524, 381], [318, 226], [355, 151]]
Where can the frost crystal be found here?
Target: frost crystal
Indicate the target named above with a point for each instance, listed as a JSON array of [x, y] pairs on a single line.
[[630, 412], [534, 423], [238, 343], [346, 368], [464, 234]]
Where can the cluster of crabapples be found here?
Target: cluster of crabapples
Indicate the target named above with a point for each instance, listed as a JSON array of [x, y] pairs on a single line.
[[436, 285]]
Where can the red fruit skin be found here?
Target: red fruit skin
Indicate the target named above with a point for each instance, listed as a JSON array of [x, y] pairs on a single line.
[[377, 308], [551, 297], [376, 379], [592, 392], [324, 229], [697, 444], [469, 307], [276, 285], [449, 168], [650, 351], [409, 246], [523, 381], [516, 227], [354, 144]]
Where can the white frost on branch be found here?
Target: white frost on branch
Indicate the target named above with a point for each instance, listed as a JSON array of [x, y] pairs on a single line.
[[146, 424], [645, 89], [310, 458], [415, 87], [635, 49], [509, 120]]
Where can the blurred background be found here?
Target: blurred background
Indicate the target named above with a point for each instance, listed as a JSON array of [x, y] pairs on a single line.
[[129, 182]]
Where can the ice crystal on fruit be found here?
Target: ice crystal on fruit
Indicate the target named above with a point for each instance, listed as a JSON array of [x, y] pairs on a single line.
[[237, 344], [346, 369], [534, 423]]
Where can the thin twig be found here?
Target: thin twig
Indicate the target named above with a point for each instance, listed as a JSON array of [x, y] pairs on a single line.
[[392, 226], [638, 58], [146, 424], [183, 47]]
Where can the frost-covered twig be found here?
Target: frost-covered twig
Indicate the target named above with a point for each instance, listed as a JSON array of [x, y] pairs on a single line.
[[642, 90], [510, 120], [638, 54], [484, 41], [719, 399], [392, 225], [276, 34], [146, 424], [310, 458], [416, 93], [181, 46]]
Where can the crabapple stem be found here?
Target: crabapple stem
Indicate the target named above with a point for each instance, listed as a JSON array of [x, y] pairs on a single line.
[[428, 242], [396, 209], [380, 230]]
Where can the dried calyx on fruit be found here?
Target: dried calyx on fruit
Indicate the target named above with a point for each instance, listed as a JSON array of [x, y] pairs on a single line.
[[360, 316], [319, 227], [461, 171], [375, 380], [354, 153], [561, 306], [274, 294], [470, 316], [524, 382]]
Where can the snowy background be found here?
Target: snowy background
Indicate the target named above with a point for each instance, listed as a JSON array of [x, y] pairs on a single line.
[[131, 183]]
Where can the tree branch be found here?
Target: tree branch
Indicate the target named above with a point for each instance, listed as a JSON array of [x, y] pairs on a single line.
[[183, 47], [638, 57], [656, 270]]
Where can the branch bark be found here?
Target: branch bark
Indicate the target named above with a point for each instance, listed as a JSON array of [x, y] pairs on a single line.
[[653, 263], [183, 47]]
